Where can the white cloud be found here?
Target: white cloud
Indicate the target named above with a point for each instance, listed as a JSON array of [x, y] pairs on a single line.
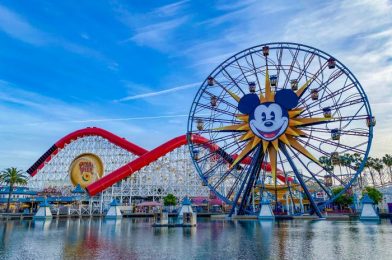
[[100, 120], [155, 29], [33, 122], [157, 93], [158, 35], [357, 33], [170, 9], [18, 28]]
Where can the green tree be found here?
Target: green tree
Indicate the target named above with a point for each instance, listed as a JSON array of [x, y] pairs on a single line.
[[373, 193], [343, 200], [12, 177], [387, 160], [346, 161], [357, 160], [369, 165], [170, 200], [326, 163]]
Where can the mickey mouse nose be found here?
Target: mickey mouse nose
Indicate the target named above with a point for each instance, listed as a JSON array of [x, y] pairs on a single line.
[[268, 124]]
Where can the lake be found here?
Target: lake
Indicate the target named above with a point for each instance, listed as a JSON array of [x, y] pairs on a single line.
[[211, 239]]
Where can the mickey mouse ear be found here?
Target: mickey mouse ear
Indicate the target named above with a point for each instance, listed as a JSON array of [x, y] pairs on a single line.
[[286, 98], [248, 103]]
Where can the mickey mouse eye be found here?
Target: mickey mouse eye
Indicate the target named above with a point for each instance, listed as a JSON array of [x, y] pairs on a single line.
[[263, 116], [272, 115]]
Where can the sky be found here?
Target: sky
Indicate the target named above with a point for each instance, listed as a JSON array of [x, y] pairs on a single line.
[[133, 67]]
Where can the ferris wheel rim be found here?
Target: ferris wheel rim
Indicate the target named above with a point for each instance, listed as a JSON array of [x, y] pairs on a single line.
[[280, 45]]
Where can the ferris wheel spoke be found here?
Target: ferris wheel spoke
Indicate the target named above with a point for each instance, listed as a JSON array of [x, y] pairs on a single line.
[[251, 181], [295, 56], [320, 151], [242, 72], [219, 120], [315, 148], [341, 132], [335, 107], [218, 110], [339, 145], [224, 176], [234, 82], [349, 119], [299, 177], [325, 87], [327, 97], [291, 68], [308, 96], [314, 178], [211, 171], [286, 179], [306, 66], [247, 181], [255, 71], [222, 100], [237, 181], [279, 55], [221, 152]]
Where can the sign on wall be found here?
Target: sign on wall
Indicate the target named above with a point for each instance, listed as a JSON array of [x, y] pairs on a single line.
[[85, 169]]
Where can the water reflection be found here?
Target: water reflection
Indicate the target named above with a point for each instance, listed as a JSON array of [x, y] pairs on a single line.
[[220, 239]]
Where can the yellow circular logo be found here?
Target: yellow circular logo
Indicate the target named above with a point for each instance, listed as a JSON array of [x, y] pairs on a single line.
[[85, 169]]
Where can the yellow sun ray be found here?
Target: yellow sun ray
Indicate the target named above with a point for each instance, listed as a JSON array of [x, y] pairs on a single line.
[[269, 95], [301, 90], [295, 112], [243, 153], [265, 145], [296, 145], [246, 136], [272, 156], [275, 144], [291, 131], [236, 98], [293, 122], [261, 97], [243, 117], [284, 139], [300, 132], [256, 141]]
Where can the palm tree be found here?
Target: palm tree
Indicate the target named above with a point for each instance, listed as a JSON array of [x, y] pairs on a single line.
[[369, 164], [387, 160], [378, 166], [346, 161], [357, 160], [12, 176]]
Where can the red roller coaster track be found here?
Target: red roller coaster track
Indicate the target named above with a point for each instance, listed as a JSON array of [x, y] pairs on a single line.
[[145, 157]]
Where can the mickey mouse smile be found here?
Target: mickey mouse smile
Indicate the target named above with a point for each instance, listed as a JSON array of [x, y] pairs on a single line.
[[266, 135], [268, 120]]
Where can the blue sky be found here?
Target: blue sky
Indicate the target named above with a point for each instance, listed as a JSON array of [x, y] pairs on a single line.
[[133, 67]]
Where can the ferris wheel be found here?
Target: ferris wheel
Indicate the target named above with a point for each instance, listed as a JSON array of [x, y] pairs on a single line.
[[280, 115]]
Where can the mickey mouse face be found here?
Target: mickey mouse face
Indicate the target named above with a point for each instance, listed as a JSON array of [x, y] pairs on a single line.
[[269, 121]]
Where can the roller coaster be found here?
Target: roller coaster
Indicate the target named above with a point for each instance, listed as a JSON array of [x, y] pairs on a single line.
[[130, 171]]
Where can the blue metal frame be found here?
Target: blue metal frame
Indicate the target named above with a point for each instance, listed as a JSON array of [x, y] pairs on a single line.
[[301, 181], [253, 172], [293, 46]]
